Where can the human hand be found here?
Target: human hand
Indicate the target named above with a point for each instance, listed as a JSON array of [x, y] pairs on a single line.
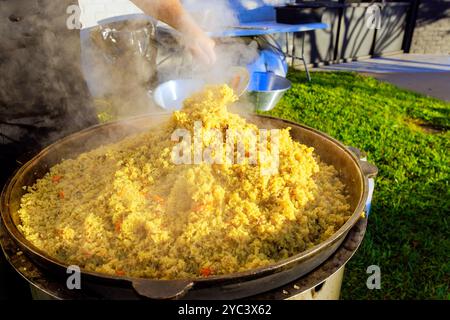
[[201, 47]]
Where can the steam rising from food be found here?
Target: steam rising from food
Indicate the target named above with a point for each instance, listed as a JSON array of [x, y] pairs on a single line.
[[118, 91], [42, 93], [213, 16], [127, 209]]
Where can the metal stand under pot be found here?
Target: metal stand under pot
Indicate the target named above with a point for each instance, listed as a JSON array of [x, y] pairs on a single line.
[[322, 283]]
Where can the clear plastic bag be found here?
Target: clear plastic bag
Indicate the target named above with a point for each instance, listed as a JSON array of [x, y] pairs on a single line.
[[128, 48], [124, 55]]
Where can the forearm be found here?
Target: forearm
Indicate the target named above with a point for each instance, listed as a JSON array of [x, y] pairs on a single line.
[[173, 13], [170, 12]]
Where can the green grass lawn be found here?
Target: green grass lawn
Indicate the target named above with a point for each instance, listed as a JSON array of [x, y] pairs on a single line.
[[405, 135]]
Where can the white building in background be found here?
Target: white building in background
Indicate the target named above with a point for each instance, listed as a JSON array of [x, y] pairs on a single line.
[[93, 11]]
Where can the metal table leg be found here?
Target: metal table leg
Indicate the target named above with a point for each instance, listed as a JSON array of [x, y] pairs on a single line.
[[287, 43], [293, 50], [308, 76], [291, 53], [302, 56]]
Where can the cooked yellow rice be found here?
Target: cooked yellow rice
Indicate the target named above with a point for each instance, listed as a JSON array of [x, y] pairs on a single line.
[[126, 209]]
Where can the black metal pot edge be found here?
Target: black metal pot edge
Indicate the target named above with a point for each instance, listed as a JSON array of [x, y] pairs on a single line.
[[177, 288]]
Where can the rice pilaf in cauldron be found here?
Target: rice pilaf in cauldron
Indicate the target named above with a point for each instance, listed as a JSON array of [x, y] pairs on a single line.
[[128, 209]]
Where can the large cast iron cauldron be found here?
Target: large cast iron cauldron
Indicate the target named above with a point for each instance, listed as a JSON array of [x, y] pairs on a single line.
[[353, 172]]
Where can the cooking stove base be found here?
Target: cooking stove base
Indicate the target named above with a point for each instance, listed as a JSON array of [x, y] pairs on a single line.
[[324, 282]]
